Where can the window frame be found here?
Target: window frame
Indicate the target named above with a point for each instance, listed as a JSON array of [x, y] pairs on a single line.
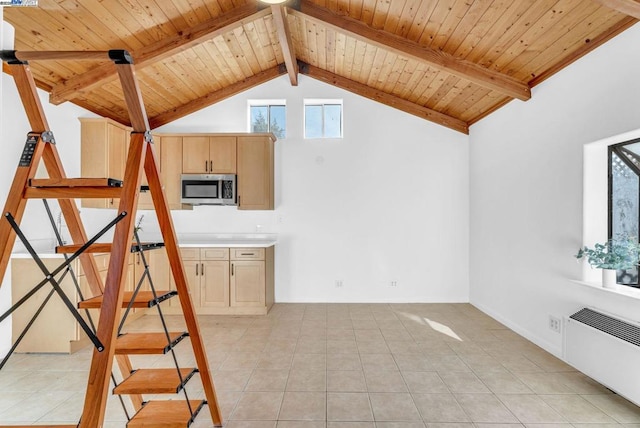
[[611, 150], [322, 102], [268, 103]]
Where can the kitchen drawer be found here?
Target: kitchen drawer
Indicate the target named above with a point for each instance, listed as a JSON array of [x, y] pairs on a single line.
[[214, 254], [190, 253], [247, 253]]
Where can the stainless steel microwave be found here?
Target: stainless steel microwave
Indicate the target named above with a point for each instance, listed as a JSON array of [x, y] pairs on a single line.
[[208, 189]]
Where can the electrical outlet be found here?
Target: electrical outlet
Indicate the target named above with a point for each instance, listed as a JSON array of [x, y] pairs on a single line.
[[338, 283], [393, 283], [554, 323]]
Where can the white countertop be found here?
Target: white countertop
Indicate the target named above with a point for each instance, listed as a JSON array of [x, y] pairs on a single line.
[[187, 240], [231, 240]]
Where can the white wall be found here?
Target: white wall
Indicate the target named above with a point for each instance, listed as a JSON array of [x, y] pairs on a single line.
[[526, 191], [387, 202], [63, 121]]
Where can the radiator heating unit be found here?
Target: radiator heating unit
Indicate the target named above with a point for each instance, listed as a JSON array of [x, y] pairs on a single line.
[[605, 348]]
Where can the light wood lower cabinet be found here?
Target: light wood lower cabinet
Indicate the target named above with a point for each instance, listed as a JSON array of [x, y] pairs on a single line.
[[236, 281], [56, 330], [247, 283], [214, 289]]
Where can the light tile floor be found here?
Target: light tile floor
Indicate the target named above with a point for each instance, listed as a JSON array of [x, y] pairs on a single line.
[[346, 365]]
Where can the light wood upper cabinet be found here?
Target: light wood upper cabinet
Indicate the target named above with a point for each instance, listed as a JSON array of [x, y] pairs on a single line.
[[144, 200], [103, 154], [255, 173], [171, 157], [222, 150], [250, 156], [195, 155], [209, 155]]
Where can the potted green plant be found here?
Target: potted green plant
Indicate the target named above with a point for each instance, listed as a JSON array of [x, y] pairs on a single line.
[[620, 253]]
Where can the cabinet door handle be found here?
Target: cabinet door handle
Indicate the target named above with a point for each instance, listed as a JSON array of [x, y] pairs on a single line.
[[201, 268], [247, 254], [196, 269], [206, 166], [211, 166], [232, 269]]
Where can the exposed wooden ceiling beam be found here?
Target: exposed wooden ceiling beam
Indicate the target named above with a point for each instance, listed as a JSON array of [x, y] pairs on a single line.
[[384, 40], [384, 98], [588, 46], [158, 51], [628, 7], [214, 97], [286, 42]]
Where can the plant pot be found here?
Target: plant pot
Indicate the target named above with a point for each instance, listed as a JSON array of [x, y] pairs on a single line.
[[609, 278]]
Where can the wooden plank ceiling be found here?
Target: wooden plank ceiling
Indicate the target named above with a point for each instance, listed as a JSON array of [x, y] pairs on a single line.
[[452, 62]]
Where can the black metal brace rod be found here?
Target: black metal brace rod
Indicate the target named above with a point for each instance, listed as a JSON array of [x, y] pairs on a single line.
[[74, 278], [51, 279], [62, 266], [50, 276]]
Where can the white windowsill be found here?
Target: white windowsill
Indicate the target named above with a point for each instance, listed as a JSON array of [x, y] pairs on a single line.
[[621, 290]]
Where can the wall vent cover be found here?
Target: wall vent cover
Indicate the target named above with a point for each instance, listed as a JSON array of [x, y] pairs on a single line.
[[612, 326]]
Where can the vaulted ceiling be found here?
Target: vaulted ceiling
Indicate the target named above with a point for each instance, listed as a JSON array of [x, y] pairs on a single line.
[[452, 62]]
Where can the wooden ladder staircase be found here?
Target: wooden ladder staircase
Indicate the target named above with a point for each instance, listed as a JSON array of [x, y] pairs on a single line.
[[110, 297]]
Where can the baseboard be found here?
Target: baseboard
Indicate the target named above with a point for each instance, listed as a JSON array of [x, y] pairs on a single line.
[[544, 344]]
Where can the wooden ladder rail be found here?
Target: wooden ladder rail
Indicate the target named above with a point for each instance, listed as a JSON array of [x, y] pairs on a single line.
[[47, 152]]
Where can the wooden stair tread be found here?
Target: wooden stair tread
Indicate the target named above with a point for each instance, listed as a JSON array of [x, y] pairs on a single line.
[[66, 192], [155, 381], [147, 343], [75, 182], [166, 414], [105, 247], [144, 299]]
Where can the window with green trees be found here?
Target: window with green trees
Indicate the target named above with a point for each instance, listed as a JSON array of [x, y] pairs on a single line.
[[268, 117]]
